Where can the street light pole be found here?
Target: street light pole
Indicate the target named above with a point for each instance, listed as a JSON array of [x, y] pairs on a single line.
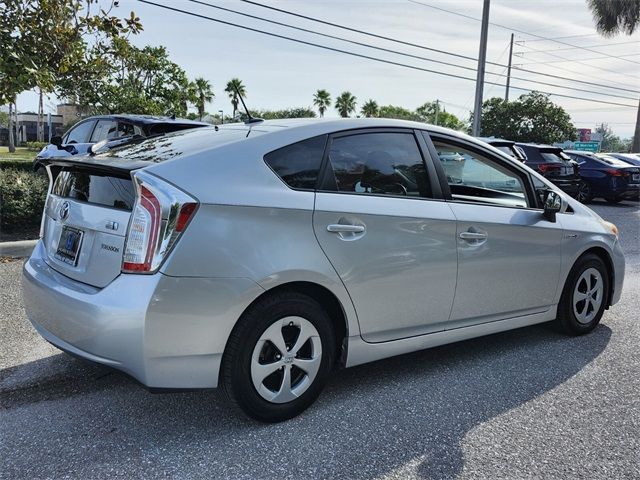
[[221, 112], [482, 57], [506, 92]]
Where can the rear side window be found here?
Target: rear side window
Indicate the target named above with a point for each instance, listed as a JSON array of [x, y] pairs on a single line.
[[97, 189], [80, 133], [298, 164]]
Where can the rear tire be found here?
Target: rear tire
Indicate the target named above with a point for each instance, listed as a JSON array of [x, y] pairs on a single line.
[[585, 194], [278, 357], [584, 296]]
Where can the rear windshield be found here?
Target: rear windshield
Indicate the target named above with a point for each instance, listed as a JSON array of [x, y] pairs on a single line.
[[95, 188], [614, 162], [553, 156]]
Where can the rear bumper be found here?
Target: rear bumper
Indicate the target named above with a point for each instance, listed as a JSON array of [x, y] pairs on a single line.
[[166, 332], [631, 191]]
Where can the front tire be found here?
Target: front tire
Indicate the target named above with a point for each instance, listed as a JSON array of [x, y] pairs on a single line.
[[584, 297], [278, 357]]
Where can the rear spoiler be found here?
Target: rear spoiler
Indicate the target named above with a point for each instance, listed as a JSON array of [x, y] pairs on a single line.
[[109, 165]]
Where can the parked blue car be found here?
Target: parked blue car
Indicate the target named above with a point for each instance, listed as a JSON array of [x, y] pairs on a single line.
[[606, 177]]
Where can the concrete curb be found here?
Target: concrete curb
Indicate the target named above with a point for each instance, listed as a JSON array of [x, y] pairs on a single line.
[[22, 248]]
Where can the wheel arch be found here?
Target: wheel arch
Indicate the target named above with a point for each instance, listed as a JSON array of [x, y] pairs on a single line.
[[605, 256], [328, 300]]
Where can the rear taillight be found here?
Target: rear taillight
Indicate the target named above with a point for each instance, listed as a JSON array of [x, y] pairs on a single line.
[[160, 214], [547, 167], [614, 172]]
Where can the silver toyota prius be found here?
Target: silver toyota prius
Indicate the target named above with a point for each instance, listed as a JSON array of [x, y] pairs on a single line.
[[262, 256]]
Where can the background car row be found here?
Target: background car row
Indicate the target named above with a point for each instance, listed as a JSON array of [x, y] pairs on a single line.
[[583, 175]]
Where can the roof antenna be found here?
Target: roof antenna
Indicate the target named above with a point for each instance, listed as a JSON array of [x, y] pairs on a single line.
[[251, 119]]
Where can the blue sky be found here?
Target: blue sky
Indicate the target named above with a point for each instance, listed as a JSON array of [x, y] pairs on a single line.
[[280, 74]]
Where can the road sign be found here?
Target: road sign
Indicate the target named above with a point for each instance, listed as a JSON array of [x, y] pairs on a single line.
[[587, 146]]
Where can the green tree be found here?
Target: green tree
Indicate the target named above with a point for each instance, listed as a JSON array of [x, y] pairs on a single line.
[[44, 41], [299, 112], [235, 87], [427, 114], [400, 113], [204, 94], [370, 108], [322, 100], [530, 118], [142, 80], [345, 104], [610, 141], [4, 119]]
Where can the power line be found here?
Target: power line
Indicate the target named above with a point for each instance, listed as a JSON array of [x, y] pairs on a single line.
[[359, 55], [444, 52], [388, 50], [546, 62], [555, 55], [514, 29], [591, 46], [550, 39]]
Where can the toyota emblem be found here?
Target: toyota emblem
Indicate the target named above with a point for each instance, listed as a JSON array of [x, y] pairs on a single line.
[[64, 211]]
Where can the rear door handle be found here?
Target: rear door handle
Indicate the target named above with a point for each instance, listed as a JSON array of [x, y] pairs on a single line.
[[342, 228], [473, 235]]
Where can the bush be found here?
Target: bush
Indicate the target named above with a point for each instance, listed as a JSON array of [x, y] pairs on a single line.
[[22, 197], [36, 146], [23, 166]]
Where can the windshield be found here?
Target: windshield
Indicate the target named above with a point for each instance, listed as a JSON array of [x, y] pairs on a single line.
[[554, 156]]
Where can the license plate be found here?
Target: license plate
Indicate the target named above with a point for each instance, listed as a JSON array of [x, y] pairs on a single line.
[[69, 245], [635, 177]]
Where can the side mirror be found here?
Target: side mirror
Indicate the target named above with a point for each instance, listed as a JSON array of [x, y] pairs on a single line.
[[57, 141], [552, 205]]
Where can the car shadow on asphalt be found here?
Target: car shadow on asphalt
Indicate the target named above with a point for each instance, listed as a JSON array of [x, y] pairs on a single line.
[[412, 408]]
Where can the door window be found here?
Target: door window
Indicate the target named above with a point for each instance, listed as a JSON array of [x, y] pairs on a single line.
[[477, 178], [379, 164], [80, 133], [105, 130]]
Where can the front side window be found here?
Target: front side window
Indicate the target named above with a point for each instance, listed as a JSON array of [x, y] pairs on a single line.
[[105, 130], [477, 178], [80, 133], [379, 164], [298, 164]]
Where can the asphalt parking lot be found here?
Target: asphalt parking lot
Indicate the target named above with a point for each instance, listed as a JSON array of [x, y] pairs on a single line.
[[530, 403]]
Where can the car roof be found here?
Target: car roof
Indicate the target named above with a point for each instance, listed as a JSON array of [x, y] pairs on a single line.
[[496, 141], [148, 119]]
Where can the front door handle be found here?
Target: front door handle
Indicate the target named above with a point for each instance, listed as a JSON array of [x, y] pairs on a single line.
[[473, 235], [342, 228]]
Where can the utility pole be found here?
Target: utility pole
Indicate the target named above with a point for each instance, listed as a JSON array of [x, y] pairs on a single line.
[[506, 92], [482, 57], [437, 110]]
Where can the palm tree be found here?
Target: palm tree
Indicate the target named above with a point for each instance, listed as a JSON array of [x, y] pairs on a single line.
[[613, 17], [345, 104], [204, 94], [322, 100], [370, 109], [235, 87]]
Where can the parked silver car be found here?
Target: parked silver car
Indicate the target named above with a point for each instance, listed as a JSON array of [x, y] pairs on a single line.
[[261, 257]]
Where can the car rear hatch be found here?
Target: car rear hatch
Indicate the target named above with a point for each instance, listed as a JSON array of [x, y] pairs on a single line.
[[86, 216], [558, 164]]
